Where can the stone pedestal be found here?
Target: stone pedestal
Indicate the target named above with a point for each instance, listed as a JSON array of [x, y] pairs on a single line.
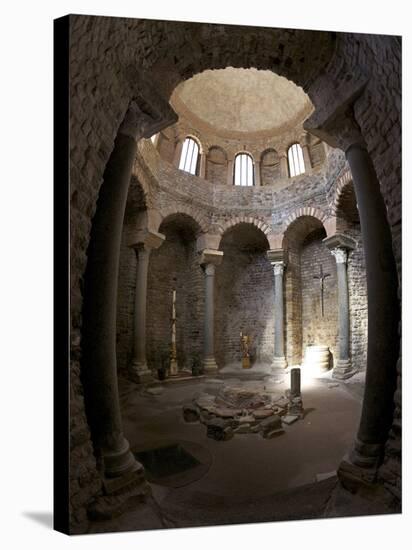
[[340, 245], [146, 241], [209, 260], [277, 260]]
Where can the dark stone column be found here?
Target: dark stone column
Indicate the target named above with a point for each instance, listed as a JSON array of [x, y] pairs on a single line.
[[276, 258], [335, 124], [99, 368], [383, 311], [209, 260]]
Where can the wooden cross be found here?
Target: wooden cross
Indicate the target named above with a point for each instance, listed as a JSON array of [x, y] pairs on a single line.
[[321, 278]]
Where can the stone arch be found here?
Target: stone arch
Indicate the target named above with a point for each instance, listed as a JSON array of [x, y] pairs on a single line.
[[196, 215], [307, 211], [344, 179], [257, 222]]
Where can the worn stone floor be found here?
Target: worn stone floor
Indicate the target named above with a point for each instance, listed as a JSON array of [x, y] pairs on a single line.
[[247, 478]]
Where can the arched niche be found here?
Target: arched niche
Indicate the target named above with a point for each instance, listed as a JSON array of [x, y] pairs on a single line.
[[244, 296], [175, 266], [307, 255]]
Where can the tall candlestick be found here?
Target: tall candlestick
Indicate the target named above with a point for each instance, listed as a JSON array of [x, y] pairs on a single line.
[[173, 355]]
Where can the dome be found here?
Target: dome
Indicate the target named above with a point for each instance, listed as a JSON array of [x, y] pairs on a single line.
[[233, 103]]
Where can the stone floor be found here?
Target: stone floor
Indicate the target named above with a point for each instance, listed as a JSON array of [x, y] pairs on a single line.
[[247, 478]]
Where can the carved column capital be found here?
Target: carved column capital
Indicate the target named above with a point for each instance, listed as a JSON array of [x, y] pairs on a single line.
[[341, 255], [278, 268]]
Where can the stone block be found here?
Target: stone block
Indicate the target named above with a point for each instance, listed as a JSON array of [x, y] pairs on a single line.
[[191, 413]]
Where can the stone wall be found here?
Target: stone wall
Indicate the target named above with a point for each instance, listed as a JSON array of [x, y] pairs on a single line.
[[244, 298], [315, 328]]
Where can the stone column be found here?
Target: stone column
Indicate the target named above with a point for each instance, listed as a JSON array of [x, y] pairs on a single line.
[[383, 310], [230, 171], [257, 173], [209, 260], [100, 292], [148, 240], [339, 246], [339, 129], [276, 258]]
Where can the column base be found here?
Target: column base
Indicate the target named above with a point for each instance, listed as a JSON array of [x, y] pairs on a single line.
[[209, 365], [173, 369], [139, 373], [120, 495], [279, 363], [120, 460], [343, 369], [359, 468]]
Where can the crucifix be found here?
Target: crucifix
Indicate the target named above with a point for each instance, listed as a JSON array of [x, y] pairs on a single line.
[[321, 278]]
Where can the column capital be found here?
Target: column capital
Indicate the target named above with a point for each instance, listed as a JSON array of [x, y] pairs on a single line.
[[341, 255], [339, 240], [142, 120], [339, 130], [146, 239], [210, 257], [278, 267], [277, 255]]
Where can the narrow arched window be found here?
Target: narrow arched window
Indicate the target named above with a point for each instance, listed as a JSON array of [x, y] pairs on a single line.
[[244, 170], [296, 162], [190, 156]]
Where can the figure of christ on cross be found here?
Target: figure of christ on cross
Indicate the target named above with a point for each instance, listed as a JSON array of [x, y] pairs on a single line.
[[321, 278]]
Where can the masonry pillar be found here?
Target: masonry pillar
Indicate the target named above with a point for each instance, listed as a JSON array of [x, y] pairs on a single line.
[[230, 172], [339, 129], [99, 369], [257, 173], [209, 260], [306, 154], [148, 240], [284, 168], [277, 260], [202, 170], [178, 153]]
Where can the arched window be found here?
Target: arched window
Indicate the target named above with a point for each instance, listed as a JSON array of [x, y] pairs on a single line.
[[296, 162], [244, 170], [190, 156]]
